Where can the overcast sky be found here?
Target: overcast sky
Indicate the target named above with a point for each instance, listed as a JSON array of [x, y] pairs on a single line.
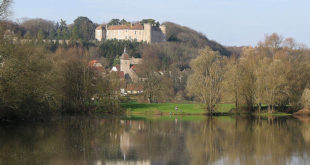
[[230, 22]]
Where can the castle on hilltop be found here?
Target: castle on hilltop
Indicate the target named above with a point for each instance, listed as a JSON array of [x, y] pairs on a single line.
[[140, 32]]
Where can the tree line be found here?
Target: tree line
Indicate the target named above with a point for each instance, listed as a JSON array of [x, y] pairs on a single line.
[[82, 28], [36, 83], [274, 75]]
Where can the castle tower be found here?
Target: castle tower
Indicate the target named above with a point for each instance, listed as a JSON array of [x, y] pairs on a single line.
[[147, 32], [100, 33], [163, 29]]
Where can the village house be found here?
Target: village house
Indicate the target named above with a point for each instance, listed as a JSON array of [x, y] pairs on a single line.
[[128, 67], [140, 32], [97, 65], [127, 72]]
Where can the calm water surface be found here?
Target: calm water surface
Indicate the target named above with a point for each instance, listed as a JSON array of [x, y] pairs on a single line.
[[164, 141]]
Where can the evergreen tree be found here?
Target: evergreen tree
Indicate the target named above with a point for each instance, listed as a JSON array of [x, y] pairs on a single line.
[[83, 29], [116, 60], [52, 35]]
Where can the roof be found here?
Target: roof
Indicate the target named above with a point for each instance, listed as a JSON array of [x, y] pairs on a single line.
[[121, 74], [137, 69], [126, 27], [99, 27], [118, 67], [95, 64], [136, 87], [133, 67], [92, 62], [125, 55], [100, 69]]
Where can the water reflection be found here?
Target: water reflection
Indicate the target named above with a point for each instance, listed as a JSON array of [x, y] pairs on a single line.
[[113, 141]]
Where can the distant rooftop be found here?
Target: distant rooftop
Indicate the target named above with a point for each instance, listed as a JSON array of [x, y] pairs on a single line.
[[99, 27], [127, 26]]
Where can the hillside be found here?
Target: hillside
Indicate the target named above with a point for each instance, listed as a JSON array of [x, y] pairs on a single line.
[[45, 29], [178, 33]]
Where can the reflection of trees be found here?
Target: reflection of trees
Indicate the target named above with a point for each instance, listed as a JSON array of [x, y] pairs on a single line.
[[239, 141], [69, 141], [245, 142], [226, 140]]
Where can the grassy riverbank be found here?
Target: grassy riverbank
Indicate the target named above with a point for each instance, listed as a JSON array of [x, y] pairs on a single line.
[[135, 108], [169, 108]]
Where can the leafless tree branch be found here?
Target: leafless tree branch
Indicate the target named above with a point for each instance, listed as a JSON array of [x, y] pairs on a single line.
[[4, 8]]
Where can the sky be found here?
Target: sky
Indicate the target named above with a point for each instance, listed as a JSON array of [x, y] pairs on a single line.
[[229, 22]]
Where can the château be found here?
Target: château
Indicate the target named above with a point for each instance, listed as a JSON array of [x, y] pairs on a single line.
[[147, 32]]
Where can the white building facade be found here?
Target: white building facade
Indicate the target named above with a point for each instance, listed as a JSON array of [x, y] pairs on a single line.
[[142, 33]]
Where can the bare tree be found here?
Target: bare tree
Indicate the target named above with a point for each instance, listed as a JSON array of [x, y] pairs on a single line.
[[232, 82], [4, 8], [305, 100], [205, 82], [157, 86], [247, 67], [76, 79]]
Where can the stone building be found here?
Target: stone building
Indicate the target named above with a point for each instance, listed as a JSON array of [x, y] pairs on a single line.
[[142, 33], [128, 65]]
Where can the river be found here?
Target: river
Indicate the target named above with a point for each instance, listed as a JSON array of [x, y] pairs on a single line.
[[169, 140]]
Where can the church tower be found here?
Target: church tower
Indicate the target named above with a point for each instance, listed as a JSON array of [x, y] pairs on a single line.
[[125, 62]]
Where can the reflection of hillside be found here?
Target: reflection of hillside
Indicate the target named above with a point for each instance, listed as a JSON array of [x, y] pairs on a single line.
[[225, 140]]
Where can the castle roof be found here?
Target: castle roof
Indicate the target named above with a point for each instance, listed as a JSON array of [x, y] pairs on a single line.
[[100, 27], [126, 27]]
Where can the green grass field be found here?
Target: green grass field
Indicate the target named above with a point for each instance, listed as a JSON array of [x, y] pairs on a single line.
[[134, 108], [169, 108]]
